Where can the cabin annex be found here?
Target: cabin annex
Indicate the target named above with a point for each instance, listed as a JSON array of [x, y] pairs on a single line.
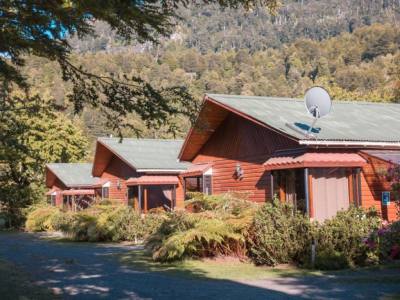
[[70, 185], [142, 173], [256, 145]]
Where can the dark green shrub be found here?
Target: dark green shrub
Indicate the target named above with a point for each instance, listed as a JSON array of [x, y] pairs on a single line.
[[331, 260], [345, 234], [278, 235], [39, 218]]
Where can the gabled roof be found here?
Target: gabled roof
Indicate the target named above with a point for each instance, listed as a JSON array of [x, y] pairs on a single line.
[[147, 154], [72, 174], [357, 124], [348, 121]]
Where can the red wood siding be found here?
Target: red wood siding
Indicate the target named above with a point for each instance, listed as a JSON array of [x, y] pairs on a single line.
[[58, 186], [373, 183], [240, 141], [114, 171]]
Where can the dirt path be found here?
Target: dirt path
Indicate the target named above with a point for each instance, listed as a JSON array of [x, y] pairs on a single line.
[[89, 271]]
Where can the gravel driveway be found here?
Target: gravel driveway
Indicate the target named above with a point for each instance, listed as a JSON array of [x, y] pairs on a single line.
[[89, 271]]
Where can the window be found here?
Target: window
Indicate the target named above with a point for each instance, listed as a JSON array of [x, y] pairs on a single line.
[[207, 185], [198, 184], [105, 192], [53, 199], [193, 185]]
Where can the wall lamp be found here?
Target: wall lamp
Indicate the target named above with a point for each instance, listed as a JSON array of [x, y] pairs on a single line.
[[239, 173]]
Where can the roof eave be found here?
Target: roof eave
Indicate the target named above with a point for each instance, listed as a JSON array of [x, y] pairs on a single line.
[[116, 154]]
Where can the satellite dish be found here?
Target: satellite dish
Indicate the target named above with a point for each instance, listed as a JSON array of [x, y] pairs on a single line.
[[318, 103]]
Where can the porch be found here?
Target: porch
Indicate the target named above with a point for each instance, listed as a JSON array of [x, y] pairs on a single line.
[[150, 192], [197, 179], [76, 200], [318, 184]]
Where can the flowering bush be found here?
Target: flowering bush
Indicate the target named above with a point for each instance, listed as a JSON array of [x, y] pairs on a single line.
[[384, 243], [393, 176]]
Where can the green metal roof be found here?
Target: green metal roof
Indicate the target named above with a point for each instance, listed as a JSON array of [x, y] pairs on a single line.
[[147, 154], [73, 174], [348, 120]]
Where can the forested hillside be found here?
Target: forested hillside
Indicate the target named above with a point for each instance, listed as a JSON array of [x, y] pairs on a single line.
[[349, 47], [210, 28], [361, 65]]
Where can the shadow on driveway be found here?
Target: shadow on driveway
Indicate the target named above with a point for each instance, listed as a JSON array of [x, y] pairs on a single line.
[[90, 271]]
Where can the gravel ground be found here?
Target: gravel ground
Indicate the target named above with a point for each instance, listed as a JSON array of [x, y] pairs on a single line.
[[89, 271]]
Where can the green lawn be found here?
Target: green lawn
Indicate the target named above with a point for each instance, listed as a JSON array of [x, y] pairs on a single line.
[[233, 269], [15, 284], [229, 268]]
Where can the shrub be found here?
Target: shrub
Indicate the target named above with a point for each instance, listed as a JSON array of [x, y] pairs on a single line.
[[279, 234], [329, 259], [103, 223], [119, 223], [195, 235], [152, 223], [39, 219], [233, 203], [384, 243], [61, 221], [343, 236], [218, 227]]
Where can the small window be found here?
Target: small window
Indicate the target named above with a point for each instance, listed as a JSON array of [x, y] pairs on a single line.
[[53, 200], [207, 184], [105, 192]]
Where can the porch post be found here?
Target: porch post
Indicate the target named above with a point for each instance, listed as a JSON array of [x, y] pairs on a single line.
[[173, 198], [145, 192], [307, 191], [358, 179], [272, 186], [140, 198]]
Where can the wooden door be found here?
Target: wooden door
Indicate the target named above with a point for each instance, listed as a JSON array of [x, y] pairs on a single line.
[[330, 189]]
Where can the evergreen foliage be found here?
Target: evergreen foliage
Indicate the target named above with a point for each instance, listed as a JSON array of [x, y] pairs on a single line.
[[352, 66], [40, 218], [340, 240], [219, 228], [31, 135], [100, 223], [279, 234]]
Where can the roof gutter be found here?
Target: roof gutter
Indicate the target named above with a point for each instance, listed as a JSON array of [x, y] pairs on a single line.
[[160, 170], [349, 143]]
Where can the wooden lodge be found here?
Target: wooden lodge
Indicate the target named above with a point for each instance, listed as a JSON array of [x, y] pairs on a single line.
[[256, 145], [142, 173]]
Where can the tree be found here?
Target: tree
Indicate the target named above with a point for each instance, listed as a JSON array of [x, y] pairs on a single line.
[[42, 27], [31, 136]]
